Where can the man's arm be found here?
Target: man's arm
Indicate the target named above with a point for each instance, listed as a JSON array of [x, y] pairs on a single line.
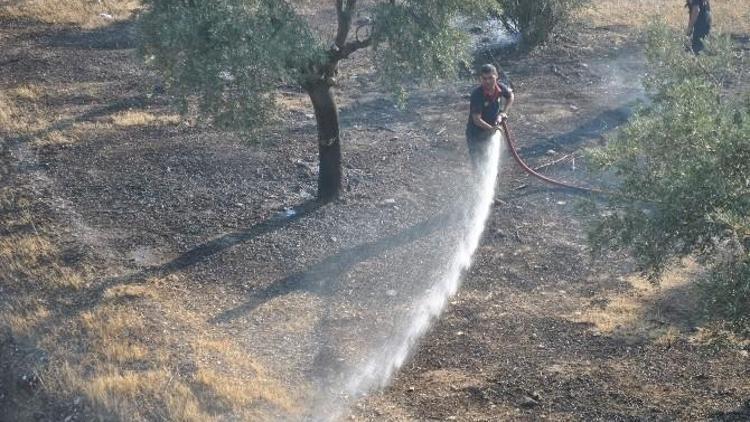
[[508, 103], [509, 97], [695, 10]]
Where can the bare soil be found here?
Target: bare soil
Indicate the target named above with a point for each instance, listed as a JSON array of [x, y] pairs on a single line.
[[535, 331]]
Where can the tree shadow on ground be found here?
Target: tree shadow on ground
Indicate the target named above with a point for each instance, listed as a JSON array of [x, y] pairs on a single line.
[[546, 364], [742, 413], [595, 127], [70, 41], [323, 277], [119, 35], [661, 316], [129, 103], [677, 306], [206, 250]]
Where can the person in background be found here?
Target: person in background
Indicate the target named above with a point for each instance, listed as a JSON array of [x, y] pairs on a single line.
[[699, 22], [488, 107]]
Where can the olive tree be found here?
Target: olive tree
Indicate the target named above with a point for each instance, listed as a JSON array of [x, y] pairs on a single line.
[[233, 55], [536, 20], [683, 163]]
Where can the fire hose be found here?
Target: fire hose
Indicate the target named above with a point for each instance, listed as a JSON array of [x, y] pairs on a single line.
[[510, 140]]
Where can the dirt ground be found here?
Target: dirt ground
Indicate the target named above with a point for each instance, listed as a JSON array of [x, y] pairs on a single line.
[[235, 290]]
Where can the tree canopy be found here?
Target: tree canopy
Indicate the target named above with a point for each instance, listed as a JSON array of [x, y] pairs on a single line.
[[684, 166], [233, 54], [537, 20]]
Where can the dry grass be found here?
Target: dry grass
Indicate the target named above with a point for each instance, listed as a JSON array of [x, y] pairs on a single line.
[[719, 337], [28, 256], [27, 92], [728, 16], [10, 116], [84, 13], [133, 357], [21, 251], [119, 356], [23, 319], [55, 137], [128, 394], [128, 291], [72, 91], [34, 257], [236, 393], [142, 118], [226, 377], [238, 381], [23, 112], [646, 311], [80, 132], [122, 357], [114, 334]]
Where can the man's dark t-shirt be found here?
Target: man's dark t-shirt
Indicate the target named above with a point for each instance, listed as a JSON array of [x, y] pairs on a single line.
[[703, 23], [488, 107]]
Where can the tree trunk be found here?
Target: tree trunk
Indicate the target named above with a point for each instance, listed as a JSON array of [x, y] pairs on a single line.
[[329, 147]]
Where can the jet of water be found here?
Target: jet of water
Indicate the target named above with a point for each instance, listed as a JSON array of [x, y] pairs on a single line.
[[377, 370]]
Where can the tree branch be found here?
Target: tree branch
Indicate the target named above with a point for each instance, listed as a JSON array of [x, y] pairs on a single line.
[[344, 12], [353, 46], [342, 49]]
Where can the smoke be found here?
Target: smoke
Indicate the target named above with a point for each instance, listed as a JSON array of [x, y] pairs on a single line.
[[376, 367]]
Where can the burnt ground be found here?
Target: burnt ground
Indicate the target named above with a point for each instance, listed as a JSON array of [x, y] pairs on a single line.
[[523, 339]]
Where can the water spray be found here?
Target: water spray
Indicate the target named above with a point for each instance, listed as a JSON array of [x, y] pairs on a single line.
[[378, 368]]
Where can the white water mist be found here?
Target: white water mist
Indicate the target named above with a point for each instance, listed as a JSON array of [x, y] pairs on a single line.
[[378, 369]]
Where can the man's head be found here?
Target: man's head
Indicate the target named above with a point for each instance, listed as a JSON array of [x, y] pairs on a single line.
[[488, 76]]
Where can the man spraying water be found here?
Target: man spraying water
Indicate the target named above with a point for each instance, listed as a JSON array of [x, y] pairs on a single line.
[[442, 277], [489, 106]]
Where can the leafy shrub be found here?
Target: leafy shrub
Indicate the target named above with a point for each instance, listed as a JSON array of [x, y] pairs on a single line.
[[683, 163], [536, 20]]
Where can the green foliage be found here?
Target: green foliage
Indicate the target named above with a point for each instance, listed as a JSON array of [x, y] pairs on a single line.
[[231, 54], [669, 65], [420, 38], [726, 292], [684, 167], [536, 20]]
